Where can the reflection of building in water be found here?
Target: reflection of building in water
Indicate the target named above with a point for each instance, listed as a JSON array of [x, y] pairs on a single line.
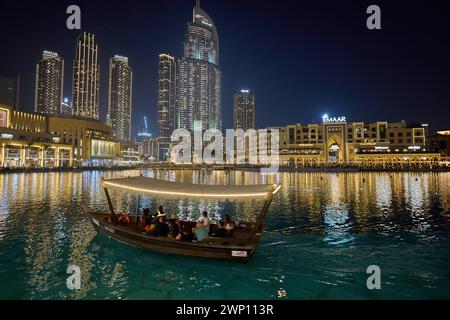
[[383, 193], [336, 141], [337, 225]]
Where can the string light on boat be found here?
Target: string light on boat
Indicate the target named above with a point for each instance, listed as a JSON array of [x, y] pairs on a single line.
[[190, 194]]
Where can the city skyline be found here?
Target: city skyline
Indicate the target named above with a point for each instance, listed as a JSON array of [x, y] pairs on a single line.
[[315, 92]]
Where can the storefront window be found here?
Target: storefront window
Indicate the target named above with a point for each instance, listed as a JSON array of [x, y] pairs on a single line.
[[3, 119]]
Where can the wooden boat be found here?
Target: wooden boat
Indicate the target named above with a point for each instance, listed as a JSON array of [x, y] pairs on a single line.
[[240, 246]]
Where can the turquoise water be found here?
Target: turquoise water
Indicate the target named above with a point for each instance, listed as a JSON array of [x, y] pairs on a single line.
[[324, 230]]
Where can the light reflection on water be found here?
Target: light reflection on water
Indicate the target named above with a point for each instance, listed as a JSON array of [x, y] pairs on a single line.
[[323, 231]]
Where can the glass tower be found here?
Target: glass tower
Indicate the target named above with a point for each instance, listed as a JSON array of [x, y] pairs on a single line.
[[120, 96], [86, 78], [200, 75], [244, 110], [49, 84]]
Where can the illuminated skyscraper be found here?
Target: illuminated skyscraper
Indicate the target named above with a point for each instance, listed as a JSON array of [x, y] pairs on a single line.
[[86, 78], [200, 75], [120, 96], [244, 110], [167, 100], [49, 84]]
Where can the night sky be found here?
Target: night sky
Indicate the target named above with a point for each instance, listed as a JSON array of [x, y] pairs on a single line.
[[301, 58]]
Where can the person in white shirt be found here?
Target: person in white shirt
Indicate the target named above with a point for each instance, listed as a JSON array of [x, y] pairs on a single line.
[[203, 221]]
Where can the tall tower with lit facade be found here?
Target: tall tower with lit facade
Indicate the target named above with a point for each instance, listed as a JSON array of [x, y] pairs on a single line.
[[120, 96], [167, 95], [200, 75], [244, 110], [86, 78], [167, 100], [49, 84]]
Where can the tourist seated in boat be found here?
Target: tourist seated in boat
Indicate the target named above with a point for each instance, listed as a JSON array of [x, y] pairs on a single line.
[[174, 224], [229, 225], [203, 221], [221, 231], [146, 217], [146, 220], [161, 227], [202, 227], [123, 219], [157, 214], [185, 234]]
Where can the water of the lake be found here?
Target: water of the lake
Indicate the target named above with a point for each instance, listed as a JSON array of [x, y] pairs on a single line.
[[324, 230]]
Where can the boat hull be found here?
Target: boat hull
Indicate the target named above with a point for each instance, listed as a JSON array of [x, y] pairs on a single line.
[[222, 249]]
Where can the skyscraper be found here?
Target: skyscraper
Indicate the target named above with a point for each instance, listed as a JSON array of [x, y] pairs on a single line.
[[49, 84], [86, 78], [244, 110], [200, 75], [9, 88], [120, 95], [167, 100], [167, 95]]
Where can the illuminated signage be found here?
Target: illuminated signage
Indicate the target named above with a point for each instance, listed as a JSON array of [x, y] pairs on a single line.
[[381, 148], [245, 91], [203, 20], [7, 136], [414, 148], [50, 53], [207, 23], [122, 58], [334, 148], [327, 119]]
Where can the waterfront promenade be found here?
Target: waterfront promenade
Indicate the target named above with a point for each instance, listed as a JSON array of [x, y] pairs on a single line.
[[439, 167]]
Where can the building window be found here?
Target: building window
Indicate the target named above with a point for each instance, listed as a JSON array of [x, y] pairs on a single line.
[[3, 118]]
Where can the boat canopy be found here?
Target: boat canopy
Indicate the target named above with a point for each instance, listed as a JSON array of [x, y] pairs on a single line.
[[153, 186]]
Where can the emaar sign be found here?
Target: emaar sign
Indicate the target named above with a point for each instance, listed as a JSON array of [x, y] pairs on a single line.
[[327, 119]]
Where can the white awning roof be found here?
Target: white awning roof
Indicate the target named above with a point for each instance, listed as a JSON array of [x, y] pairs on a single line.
[[166, 188]]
